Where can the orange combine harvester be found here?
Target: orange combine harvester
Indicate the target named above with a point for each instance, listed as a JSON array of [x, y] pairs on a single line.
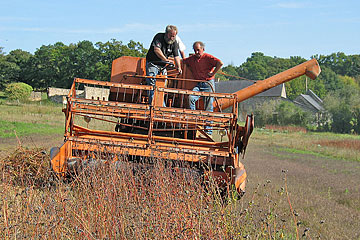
[[121, 125]]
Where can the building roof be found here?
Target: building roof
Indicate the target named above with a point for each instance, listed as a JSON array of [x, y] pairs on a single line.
[[310, 100], [314, 96], [232, 86]]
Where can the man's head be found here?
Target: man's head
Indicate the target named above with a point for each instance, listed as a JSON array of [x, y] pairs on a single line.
[[170, 34], [199, 48]]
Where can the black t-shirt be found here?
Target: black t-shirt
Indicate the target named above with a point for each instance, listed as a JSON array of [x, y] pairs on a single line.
[[167, 49]]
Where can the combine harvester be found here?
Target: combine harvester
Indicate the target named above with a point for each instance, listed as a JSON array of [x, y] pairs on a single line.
[[122, 126]]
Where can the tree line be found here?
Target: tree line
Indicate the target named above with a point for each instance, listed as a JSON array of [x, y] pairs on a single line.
[[56, 65], [337, 71], [338, 85]]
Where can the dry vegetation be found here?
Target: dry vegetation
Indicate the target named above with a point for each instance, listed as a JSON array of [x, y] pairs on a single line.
[[340, 146], [301, 185], [152, 203]]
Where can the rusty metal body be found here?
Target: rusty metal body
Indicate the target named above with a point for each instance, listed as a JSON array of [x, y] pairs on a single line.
[[128, 126]]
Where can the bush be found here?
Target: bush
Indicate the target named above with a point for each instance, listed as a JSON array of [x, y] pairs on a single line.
[[18, 91], [289, 114], [264, 114], [344, 108], [283, 114]]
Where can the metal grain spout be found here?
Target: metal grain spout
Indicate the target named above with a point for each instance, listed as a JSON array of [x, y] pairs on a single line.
[[309, 68]]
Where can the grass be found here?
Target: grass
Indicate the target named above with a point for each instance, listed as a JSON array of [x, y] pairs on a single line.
[[47, 117], [12, 129], [338, 146], [153, 203], [30, 118]]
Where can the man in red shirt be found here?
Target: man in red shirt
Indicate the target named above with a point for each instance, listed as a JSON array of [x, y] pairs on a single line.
[[203, 67]]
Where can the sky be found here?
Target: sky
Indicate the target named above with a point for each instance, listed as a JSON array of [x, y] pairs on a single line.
[[231, 30]]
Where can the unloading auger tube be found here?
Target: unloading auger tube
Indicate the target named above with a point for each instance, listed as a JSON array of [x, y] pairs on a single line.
[[123, 125], [309, 68]]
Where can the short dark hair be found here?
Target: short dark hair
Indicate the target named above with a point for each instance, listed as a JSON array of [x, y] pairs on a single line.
[[202, 45]]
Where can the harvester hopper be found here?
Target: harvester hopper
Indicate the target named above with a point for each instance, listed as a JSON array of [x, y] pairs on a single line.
[[118, 123]]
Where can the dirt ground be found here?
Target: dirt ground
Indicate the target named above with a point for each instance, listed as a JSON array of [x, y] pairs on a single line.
[[7, 145], [324, 192]]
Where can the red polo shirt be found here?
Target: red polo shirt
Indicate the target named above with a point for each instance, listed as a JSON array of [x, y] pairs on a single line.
[[200, 67]]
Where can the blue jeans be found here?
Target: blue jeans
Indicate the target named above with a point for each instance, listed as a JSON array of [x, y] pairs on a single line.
[[152, 70], [208, 101]]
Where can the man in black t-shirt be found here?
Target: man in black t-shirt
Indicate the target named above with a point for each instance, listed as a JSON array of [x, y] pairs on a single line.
[[161, 48]]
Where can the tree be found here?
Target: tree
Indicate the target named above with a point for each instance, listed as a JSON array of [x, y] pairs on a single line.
[[83, 58], [231, 71], [289, 114], [349, 81], [113, 49], [264, 114], [295, 87], [344, 107], [340, 63], [8, 71], [330, 79], [48, 65], [21, 59]]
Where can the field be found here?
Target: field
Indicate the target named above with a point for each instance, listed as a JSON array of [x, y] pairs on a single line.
[[300, 185]]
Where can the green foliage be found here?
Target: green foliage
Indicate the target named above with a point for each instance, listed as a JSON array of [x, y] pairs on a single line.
[[56, 65], [333, 66], [344, 107], [8, 129], [113, 49], [231, 70], [259, 66], [20, 58], [295, 87], [264, 114], [18, 91], [289, 114], [350, 81], [283, 113], [330, 79], [12, 67], [7, 70], [341, 64]]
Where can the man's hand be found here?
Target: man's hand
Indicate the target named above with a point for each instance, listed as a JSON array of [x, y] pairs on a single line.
[[177, 63]]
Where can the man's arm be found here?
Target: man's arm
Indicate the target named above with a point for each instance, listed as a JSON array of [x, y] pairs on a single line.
[[160, 54], [217, 68], [178, 65], [182, 53], [181, 46]]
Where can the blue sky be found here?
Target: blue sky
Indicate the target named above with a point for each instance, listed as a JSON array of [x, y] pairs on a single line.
[[231, 30]]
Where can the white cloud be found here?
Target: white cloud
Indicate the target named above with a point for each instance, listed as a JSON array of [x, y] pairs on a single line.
[[134, 27], [293, 5], [12, 19]]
